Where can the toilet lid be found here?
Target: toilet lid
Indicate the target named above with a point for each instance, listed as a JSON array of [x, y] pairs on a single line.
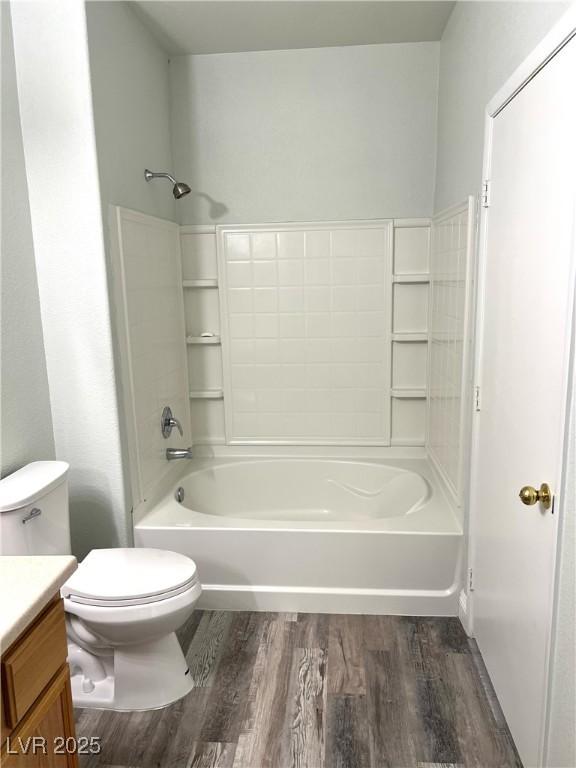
[[129, 576]]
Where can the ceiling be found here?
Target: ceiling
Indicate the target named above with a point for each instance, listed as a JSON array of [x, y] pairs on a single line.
[[220, 26]]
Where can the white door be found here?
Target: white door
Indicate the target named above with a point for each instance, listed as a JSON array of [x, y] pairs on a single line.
[[525, 326]]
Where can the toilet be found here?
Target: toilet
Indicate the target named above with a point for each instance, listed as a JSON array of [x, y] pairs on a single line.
[[123, 606]]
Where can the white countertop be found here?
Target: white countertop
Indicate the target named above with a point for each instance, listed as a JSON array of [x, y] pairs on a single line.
[[27, 584]]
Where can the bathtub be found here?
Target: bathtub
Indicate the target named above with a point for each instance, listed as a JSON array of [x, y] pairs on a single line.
[[313, 534]]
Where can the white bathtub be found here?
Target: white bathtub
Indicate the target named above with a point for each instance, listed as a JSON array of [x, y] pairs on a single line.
[[311, 534]]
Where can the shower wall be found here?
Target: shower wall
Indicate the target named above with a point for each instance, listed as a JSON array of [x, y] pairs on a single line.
[[450, 339], [306, 135], [352, 333], [307, 326], [150, 336], [308, 333]]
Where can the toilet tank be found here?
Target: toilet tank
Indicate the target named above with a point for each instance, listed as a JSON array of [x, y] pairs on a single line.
[[34, 517]]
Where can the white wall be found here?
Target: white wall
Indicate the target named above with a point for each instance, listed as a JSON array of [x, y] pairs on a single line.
[[306, 135], [26, 420], [51, 55], [130, 91], [482, 45]]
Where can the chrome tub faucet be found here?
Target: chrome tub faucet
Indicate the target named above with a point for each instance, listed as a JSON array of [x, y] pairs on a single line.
[[179, 453], [167, 423]]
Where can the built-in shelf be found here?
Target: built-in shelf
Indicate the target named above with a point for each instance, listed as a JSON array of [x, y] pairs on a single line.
[[407, 442], [202, 340], [411, 277], [409, 337], [206, 394], [413, 393], [209, 282]]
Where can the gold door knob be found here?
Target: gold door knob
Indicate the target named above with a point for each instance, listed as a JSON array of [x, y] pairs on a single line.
[[530, 496]]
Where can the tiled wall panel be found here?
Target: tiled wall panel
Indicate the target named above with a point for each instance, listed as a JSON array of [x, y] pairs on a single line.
[[449, 341], [306, 314]]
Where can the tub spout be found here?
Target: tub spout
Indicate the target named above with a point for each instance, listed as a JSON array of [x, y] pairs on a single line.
[[179, 453]]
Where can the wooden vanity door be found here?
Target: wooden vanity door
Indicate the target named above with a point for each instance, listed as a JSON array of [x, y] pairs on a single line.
[[39, 741]]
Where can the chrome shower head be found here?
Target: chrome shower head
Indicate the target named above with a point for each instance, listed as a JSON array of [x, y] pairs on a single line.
[[179, 189]]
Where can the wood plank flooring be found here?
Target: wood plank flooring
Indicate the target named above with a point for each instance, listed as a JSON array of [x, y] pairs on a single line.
[[316, 691]]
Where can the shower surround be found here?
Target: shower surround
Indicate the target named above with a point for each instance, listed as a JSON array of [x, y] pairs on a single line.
[[307, 350], [319, 332]]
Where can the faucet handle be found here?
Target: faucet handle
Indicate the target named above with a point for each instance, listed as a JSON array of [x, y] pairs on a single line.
[[167, 422]]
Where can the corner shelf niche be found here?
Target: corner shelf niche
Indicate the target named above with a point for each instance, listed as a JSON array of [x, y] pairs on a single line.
[[209, 282], [206, 394], [202, 310], [414, 277], [410, 286], [210, 340], [410, 337], [409, 394]]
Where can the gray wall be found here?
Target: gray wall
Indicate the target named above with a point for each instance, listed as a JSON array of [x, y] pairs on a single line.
[[482, 45], [130, 93], [130, 96], [58, 139], [26, 421], [328, 133]]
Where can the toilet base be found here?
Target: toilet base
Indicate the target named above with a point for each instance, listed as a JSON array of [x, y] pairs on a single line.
[[136, 677]]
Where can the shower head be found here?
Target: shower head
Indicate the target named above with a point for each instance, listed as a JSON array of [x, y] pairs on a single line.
[[179, 189]]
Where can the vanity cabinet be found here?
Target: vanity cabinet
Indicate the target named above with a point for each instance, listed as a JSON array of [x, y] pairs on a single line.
[[37, 721]]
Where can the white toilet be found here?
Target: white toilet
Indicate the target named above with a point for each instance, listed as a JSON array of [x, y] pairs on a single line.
[[122, 605]]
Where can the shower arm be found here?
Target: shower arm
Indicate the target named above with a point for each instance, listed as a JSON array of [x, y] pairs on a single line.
[[149, 175]]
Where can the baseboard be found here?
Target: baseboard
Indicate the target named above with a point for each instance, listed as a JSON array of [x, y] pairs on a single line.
[[463, 613], [305, 600]]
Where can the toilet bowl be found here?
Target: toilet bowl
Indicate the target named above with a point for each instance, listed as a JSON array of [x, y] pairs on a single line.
[[123, 607]]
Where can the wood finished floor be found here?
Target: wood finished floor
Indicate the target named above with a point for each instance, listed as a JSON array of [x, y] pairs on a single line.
[[316, 691]]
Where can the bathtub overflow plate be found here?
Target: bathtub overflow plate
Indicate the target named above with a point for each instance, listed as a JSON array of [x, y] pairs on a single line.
[[179, 495]]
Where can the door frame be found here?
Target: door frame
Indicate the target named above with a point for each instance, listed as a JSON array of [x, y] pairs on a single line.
[[563, 31]]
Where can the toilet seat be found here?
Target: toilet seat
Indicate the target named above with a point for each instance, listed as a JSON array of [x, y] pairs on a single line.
[[123, 577]]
